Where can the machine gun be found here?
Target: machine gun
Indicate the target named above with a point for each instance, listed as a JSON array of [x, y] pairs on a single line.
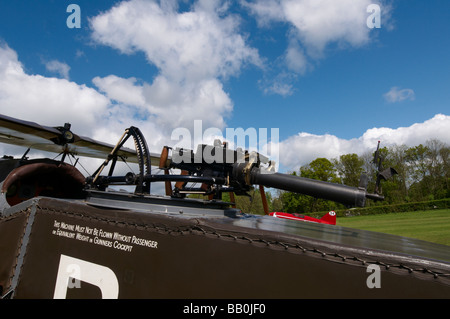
[[219, 169]]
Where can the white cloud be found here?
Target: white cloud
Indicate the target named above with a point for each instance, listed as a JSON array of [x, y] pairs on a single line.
[[170, 104], [318, 23], [315, 26], [127, 91], [295, 58], [194, 52], [58, 67], [46, 100], [279, 87], [396, 94], [302, 148], [54, 102], [281, 84]]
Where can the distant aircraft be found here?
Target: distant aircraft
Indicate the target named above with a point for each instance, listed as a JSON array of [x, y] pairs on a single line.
[[329, 218]]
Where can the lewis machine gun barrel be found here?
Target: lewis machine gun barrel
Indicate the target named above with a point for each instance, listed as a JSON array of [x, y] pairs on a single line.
[[347, 195]]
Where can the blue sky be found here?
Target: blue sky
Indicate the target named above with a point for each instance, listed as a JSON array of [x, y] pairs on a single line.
[[311, 68]]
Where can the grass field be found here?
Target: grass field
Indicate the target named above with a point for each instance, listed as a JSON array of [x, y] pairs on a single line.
[[430, 225]]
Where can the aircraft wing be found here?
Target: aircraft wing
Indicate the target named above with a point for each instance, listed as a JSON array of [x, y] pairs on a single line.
[[46, 138]]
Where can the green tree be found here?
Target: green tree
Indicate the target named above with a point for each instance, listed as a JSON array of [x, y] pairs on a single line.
[[438, 158], [444, 153], [319, 169], [350, 167], [416, 159]]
